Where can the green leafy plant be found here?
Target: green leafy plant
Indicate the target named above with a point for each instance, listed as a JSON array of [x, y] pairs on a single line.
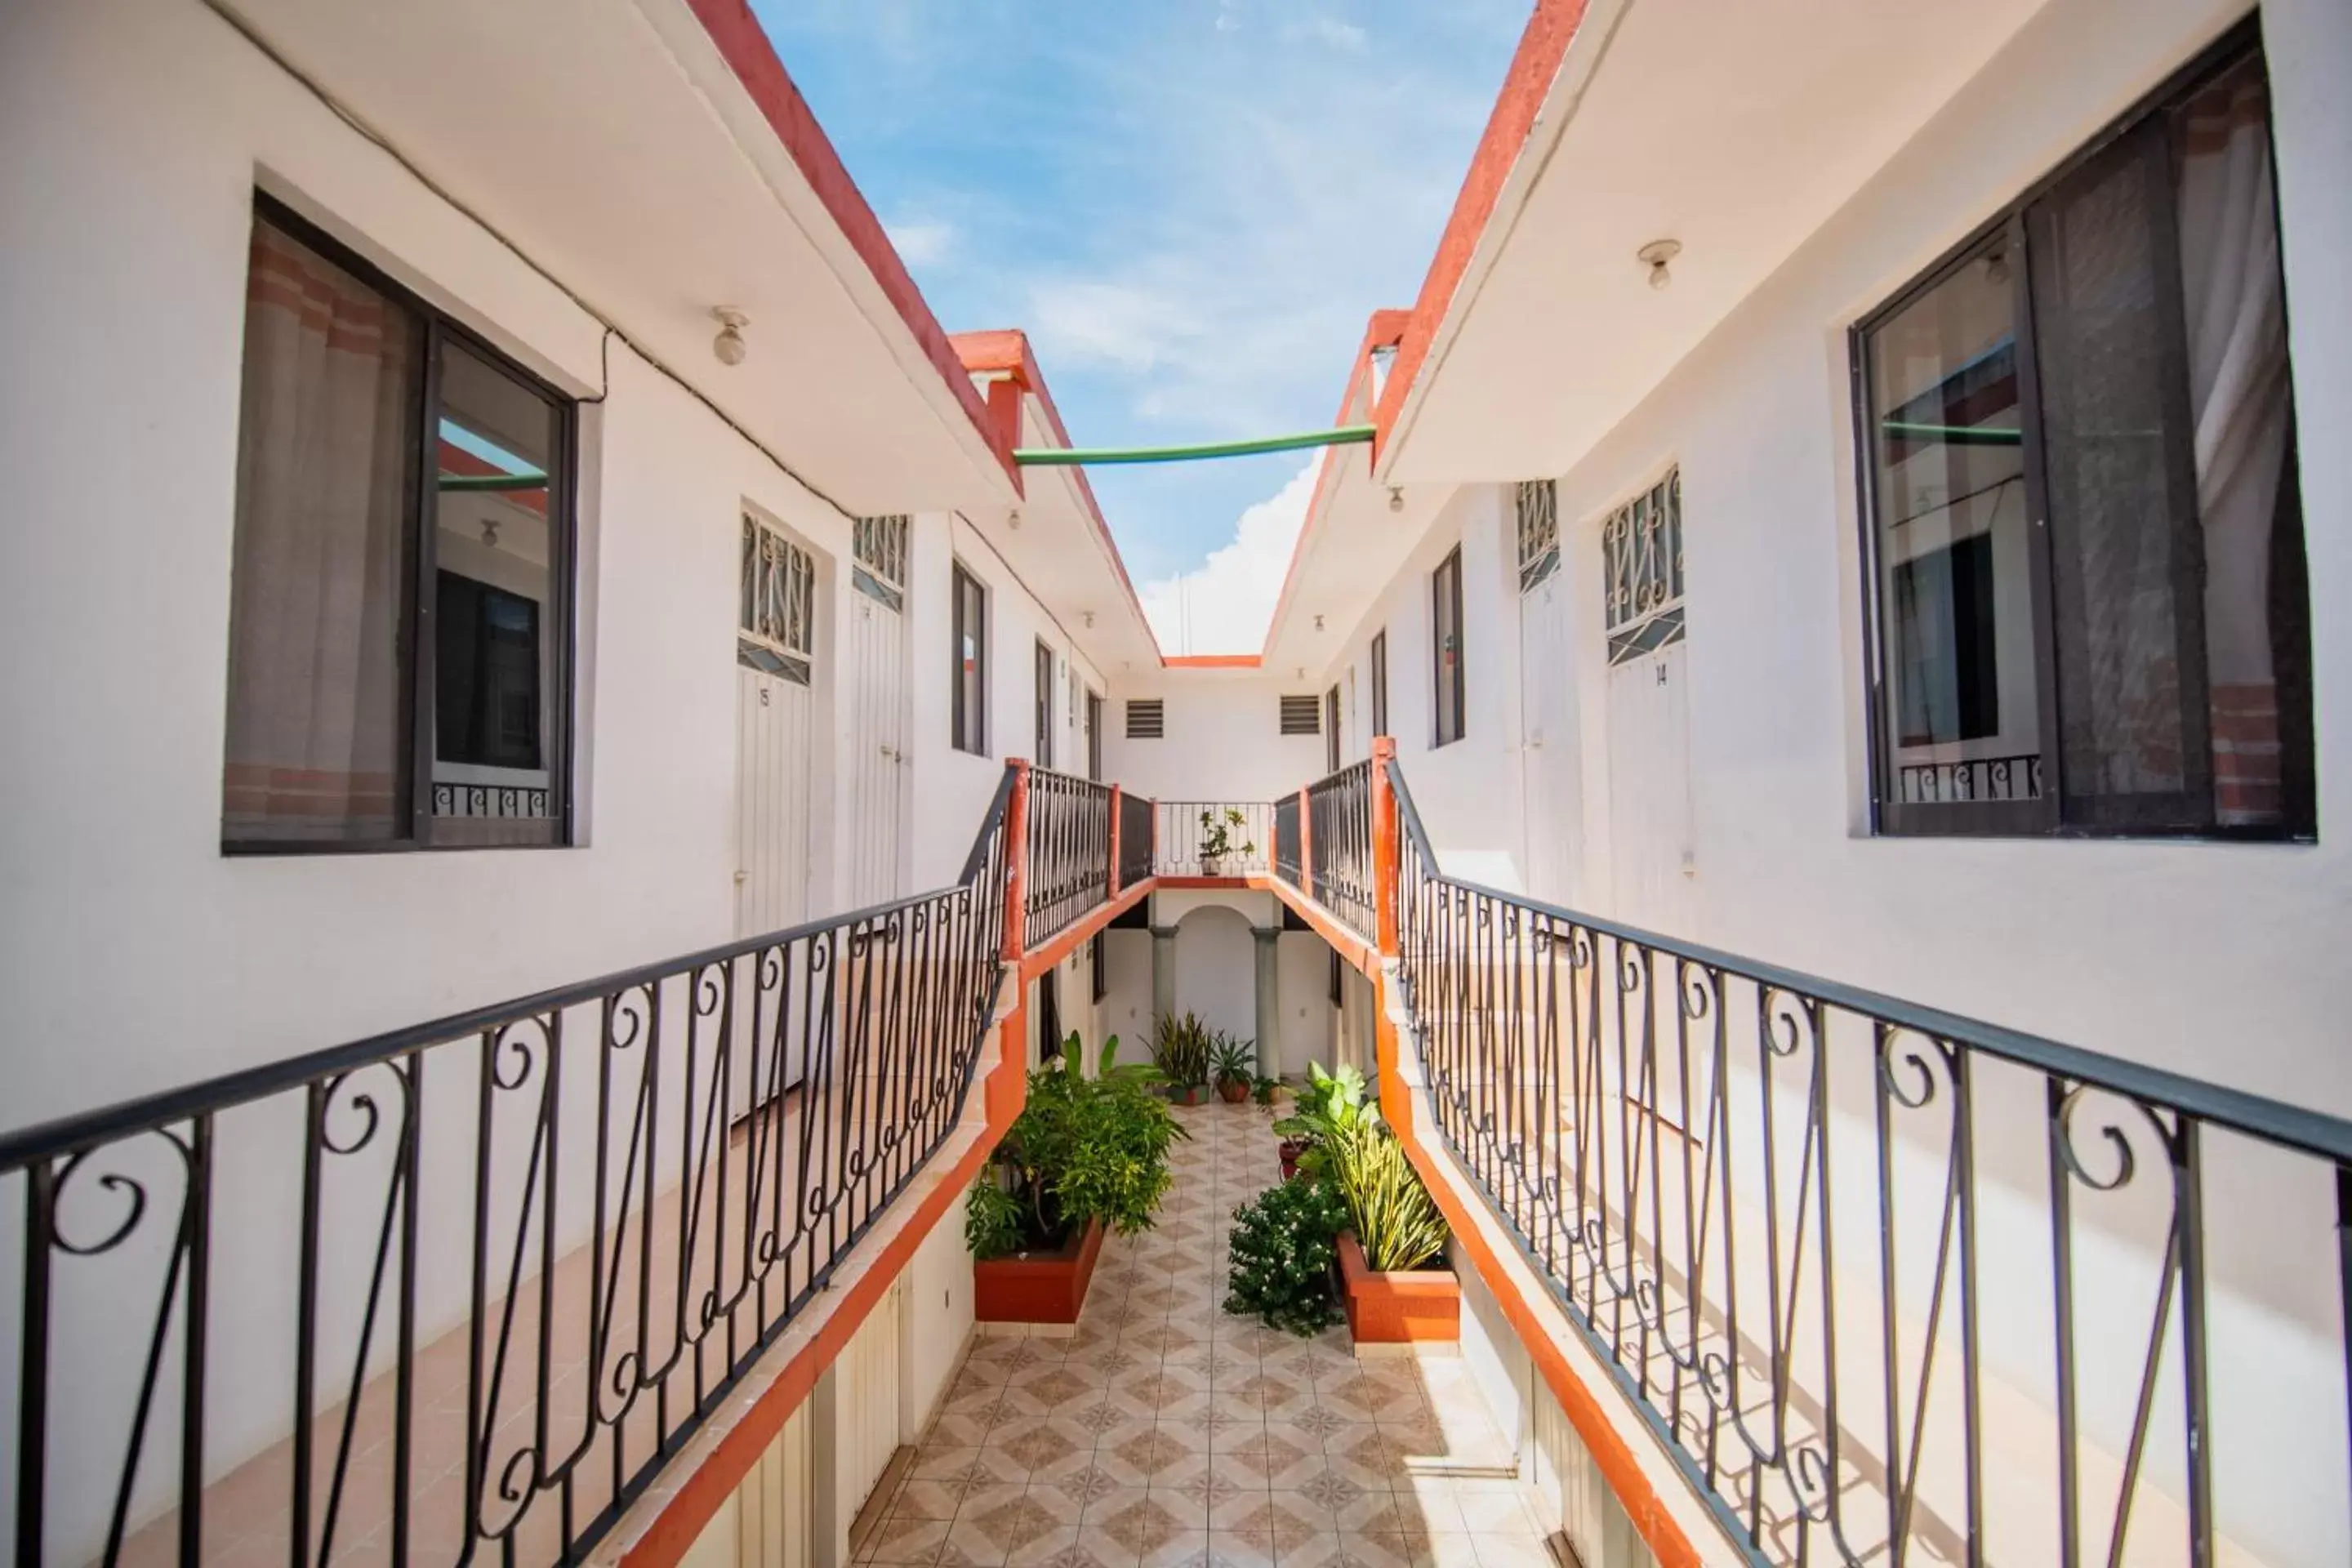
[[1283, 1246], [1395, 1220], [1234, 1062], [1083, 1149], [1331, 1105], [1182, 1049], [1217, 831], [1263, 1088]]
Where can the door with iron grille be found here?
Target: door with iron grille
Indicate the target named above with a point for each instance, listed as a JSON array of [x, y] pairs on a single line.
[[1551, 768], [875, 693], [1651, 843], [775, 659]]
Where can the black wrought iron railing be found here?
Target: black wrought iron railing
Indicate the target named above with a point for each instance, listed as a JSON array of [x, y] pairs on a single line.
[[1068, 867], [1136, 817], [1289, 841], [1339, 840], [463, 1289], [1213, 837], [1896, 1286]]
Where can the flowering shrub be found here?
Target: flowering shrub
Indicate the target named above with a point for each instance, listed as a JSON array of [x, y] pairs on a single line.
[[1283, 1249]]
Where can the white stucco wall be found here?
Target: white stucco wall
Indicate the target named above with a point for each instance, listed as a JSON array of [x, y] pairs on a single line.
[[1223, 739]]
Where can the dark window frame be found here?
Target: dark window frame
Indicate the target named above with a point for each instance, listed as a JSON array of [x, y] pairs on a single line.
[[1331, 728], [1094, 739], [2044, 816], [967, 731], [422, 569], [1445, 594], [1379, 661]]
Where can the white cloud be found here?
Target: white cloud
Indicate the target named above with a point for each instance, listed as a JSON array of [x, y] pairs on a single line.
[[1330, 30], [921, 242], [1227, 605]]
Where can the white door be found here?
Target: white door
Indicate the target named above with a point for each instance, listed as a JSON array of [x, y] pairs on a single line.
[[1651, 843], [866, 1405], [774, 723], [876, 694], [1548, 760]]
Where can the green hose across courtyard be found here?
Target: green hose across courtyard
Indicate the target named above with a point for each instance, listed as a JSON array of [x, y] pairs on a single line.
[[1073, 456]]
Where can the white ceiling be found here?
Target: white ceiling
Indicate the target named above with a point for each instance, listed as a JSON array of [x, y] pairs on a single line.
[[614, 145], [1736, 128]]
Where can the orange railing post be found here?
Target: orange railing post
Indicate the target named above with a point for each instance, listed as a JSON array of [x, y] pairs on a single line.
[[1385, 846], [1306, 845], [1017, 854], [1113, 885]]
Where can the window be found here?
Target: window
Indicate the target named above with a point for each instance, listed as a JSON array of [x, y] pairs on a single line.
[[775, 629], [1146, 720], [1044, 667], [1641, 571], [1446, 646], [1537, 504], [2083, 529], [1094, 737], [1098, 965], [1331, 730], [968, 635], [1301, 715], [1380, 683], [399, 621], [879, 545]]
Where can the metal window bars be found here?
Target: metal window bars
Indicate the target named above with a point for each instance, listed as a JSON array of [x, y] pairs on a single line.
[[1289, 841], [1641, 571], [1068, 867], [1136, 815], [879, 547], [776, 624], [1894, 1286], [504, 1264]]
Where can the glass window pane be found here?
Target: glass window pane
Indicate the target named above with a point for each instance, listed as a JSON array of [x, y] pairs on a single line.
[[319, 589], [494, 645], [2116, 451], [1955, 542]]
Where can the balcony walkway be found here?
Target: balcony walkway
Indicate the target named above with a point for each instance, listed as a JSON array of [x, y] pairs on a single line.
[[1167, 1431]]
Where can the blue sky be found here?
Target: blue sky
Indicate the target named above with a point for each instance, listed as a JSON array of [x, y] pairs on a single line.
[[1191, 206]]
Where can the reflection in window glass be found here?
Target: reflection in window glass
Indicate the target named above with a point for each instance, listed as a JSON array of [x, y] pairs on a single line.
[[495, 555], [1954, 542]]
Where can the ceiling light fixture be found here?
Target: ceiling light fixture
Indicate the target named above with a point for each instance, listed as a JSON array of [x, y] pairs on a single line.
[[729, 344], [1655, 255], [1090, 620], [1319, 623], [1396, 499], [1013, 520]]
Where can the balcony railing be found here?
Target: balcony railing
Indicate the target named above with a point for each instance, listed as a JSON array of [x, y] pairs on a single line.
[[1339, 845], [1894, 1286], [465, 1288], [1136, 815], [1187, 834], [1289, 841], [1067, 871]]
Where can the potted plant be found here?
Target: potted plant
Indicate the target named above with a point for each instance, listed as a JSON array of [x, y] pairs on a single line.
[[1183, 1055], [1233, 1063], [1263, 1089], [1217, 831], [1331, 1103], [1395, 1233], [1285, 1242], [1086, 1156]]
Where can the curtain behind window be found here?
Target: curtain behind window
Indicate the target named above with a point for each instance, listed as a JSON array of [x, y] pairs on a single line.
[[327, 454], [2236, 314]]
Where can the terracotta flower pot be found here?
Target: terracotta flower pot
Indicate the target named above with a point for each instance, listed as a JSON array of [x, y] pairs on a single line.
[[1413, 1306], [1233, 1093], [1288, 1150], [1036, 1286], [1187, 1093]]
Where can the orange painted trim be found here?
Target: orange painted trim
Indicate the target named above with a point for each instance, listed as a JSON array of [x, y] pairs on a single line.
[[702, 1493], [748, 52], [1016, 850], [1066, 942], [1323, 922], [1207, 884], [1412, 1305], [1534, 67], [1618, 1466], [1005, 352], [1385, 846], [1212, 661]]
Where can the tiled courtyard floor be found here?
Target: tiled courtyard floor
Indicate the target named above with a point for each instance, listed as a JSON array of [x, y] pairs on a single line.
[[1165, 1432]]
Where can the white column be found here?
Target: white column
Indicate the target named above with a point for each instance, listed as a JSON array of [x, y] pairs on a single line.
[[1269, 1002], [1163, 974]]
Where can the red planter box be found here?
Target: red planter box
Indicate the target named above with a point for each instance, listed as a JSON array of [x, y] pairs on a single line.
[[1413, 1306], [1036, 1286]]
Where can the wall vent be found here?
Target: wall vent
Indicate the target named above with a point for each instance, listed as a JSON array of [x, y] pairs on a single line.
[[1302, 715], [1146, 721]]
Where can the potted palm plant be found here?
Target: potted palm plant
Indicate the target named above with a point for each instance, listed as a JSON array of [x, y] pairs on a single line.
[[1234, 1064], [1217, 840], [1086, 1156], [1395, 1234], [1183, 1054]]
